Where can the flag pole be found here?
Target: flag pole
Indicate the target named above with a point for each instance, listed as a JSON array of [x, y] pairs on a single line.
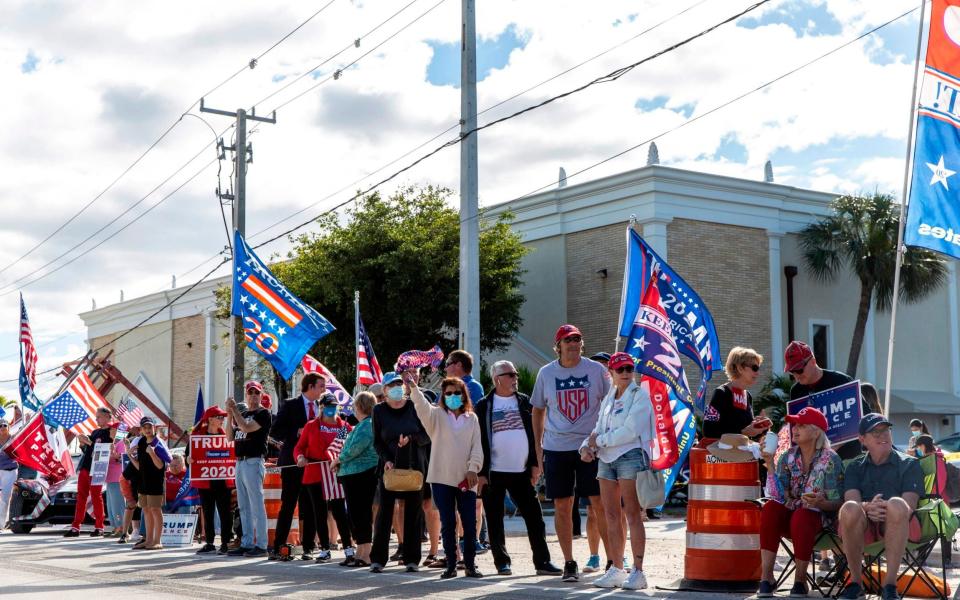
[[623, 289], [903, 210], [356, 335]]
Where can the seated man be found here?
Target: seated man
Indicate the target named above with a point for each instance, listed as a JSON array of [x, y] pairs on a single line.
[[881, 489]]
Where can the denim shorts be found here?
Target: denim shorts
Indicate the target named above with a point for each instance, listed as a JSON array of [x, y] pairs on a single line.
[[625, 467]]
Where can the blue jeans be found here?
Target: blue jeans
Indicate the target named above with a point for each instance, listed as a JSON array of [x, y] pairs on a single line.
[[253, 514], [115, 504], [449, 500]]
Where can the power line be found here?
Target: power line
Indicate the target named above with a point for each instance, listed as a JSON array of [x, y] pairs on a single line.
[[250, 65]]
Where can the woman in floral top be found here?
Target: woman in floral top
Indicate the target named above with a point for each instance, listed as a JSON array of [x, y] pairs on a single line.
[[806, 483]]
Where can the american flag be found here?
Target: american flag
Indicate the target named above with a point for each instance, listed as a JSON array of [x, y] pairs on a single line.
[[368, 369], [312, 365], [332, 490], [129, 413], [29, 350], [76, 408]]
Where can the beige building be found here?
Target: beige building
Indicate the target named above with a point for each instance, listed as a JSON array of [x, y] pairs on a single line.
[[730, 239]]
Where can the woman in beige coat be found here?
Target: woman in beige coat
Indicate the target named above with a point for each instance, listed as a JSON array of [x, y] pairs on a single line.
[[455, 460]]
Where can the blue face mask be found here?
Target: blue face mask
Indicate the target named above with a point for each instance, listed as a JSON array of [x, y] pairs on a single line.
[[395, 393], [454, 402], [919, 451], [329, 411], [916, 433]]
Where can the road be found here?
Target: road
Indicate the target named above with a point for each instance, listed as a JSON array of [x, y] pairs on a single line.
[[45, 565]]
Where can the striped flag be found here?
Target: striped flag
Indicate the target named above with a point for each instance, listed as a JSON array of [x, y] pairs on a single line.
[[312, 365], [368, 369], [76, 408], [332, 490], [29, 356], [129, 414]]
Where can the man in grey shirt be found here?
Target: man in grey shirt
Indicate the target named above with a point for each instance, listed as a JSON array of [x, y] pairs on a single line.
[[566, 401]]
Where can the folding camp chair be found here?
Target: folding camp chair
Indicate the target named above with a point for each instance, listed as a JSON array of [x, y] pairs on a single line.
[[826, 584]]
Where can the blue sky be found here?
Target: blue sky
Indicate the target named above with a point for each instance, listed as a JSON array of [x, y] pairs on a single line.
[[492, 53]]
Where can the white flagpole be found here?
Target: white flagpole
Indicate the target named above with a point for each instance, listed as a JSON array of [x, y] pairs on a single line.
[[356, 334], [903, 211], [626, 282]]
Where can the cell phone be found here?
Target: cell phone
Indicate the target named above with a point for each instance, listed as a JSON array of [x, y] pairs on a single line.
[[463, 485]]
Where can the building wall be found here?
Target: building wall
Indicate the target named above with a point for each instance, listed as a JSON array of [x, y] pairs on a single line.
[[593, 301], [188, 366], [728, 267], [147, 349]]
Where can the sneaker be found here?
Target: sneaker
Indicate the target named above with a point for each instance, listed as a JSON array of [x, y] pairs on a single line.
[[397, 556], [480, 548], [765, 590], [123, 539], [637, 580], [412, 567], [323, 556], [890, 593], [349, 552], [472, 572], [570, 573], [376, 568], [504, 570], [207, 548], [593, 564], [223, 550], [448, 574], [71, 533], [96, 533], [255, 552], [549, 569], [853, 591], [239, 551], [613, 578], [308, 555], [799, 590]]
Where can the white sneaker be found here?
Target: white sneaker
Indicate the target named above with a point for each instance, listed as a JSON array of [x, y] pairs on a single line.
[[614, 577], [636, 581]]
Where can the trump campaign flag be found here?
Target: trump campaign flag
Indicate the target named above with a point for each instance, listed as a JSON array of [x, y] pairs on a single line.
[[652, 344], [76, 408], [691, 323], [933, 214], [31, 447], [312, 365], [276, 324]]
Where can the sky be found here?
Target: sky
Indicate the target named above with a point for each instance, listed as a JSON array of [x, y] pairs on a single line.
[[88, 88]]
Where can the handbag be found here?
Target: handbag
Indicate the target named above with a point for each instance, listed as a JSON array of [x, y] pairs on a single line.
[[403, 480], [651, 488]]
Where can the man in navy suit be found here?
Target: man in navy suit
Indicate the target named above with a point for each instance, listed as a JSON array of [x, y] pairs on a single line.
[[286, 429]]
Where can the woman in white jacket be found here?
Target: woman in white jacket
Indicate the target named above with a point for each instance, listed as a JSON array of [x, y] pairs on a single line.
[[624, 443]]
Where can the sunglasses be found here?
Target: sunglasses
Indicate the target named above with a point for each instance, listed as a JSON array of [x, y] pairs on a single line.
[[800, 369], [253, 392], [451, 393], [624, 369], [511, 375], [756, 368], [451, 363], [573, 339], [4, 426]]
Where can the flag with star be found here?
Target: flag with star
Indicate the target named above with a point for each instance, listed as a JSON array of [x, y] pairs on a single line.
[[276, 324], [690, 320], [933, 214]]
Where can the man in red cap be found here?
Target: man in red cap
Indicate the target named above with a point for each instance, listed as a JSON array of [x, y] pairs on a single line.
[[566, 401], [248, 431]]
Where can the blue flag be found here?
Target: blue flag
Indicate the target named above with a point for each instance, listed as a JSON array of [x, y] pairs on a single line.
[[276, 324], [27, 397], [200, 405], [933, 218], [690, 319], [187, 495]]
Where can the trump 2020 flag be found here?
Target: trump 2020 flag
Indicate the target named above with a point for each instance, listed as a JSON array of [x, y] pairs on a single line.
[[690, 319], [933, 217], [312, 365], [276, 324]]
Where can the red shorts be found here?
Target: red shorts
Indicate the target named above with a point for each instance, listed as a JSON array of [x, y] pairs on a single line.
[[875, 531]]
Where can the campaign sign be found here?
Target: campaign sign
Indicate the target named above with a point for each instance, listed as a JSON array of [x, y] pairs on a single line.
[[178, 530], [841, 406], [211, 457], [101, 463]]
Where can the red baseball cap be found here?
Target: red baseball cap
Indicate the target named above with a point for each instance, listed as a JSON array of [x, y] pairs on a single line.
[[796, 354], [808, 416], [620, 359], [566, 331], [254, 385]]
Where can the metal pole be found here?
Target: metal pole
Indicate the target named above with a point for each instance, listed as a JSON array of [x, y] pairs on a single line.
[[239, 223], [356, 335], [469, 211], [903, 210]]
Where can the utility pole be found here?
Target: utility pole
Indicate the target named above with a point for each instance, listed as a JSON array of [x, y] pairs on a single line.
[[240, 152], [469, 211]]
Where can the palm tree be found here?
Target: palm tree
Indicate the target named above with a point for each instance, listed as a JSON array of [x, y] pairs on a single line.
[[861, 235]]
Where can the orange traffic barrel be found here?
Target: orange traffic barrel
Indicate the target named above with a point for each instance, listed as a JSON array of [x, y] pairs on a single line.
[[723, 526], [272, 487]]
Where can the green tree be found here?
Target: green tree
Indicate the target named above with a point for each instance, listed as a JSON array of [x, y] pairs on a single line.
[[402, 254], [861, 235], [7, 402]]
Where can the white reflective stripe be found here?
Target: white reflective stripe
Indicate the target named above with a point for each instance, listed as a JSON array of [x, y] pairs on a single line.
[[294, 524], [723, 493], [271, 493], [723, 541]]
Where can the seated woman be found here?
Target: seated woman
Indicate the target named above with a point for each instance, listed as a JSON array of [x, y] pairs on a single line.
[[805, 484]]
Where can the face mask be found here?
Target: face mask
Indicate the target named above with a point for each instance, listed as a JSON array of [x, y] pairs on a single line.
[[395, 393], [453, 402], [329, 411], [915, 433], [919, 452]]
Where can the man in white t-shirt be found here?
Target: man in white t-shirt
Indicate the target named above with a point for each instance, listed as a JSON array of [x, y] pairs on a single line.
[[510, 465]]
